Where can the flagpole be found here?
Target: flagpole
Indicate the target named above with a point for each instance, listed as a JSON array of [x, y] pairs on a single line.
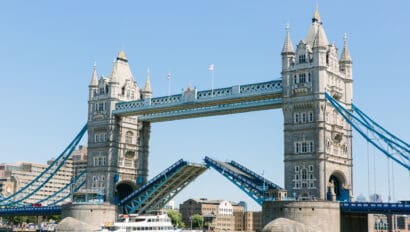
[[211, 68], [169, 83], [212, 84]]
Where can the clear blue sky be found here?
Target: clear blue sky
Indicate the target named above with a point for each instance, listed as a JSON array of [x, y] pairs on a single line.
[[48, 48]]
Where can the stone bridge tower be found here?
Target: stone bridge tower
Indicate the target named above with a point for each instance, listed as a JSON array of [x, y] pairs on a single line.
[[318, 141], [117, 147]]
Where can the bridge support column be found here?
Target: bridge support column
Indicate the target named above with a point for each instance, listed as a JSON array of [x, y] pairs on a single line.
[[356, 222], [92, 214], [144, 131], [321, 215]]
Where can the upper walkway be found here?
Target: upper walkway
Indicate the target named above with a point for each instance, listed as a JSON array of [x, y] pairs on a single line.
[[192, 103]]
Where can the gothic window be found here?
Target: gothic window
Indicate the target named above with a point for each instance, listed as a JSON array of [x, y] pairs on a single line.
[[302, 58], [304, 174], [296, 117], [101, 91], [309, 77], [310, 168], [297, 148], [310, 118], [302, 78], [106, 89], [296, 177], [296, 168], [129, 159], [311, 146], [123, 91], [304, 147], [303, 117], [295, 79], [128, 137], [304, 185], [312, 185], [311, 176]]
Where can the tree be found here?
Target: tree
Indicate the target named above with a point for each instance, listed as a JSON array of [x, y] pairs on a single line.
[[176, 218], [197, 221]]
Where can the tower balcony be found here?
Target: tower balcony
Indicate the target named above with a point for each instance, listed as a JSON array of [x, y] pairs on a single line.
[[337, 133], [301, 88], [336, 92]]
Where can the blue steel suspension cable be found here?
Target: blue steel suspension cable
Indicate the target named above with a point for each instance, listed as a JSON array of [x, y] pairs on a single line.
[[64, 154], [343, 112], [66, 196], [74, 180], [9, 203], [362, 114], [363, 121], [388, 141], [396, 140]]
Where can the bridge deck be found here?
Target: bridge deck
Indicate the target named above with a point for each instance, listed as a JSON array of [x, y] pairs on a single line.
[[373, 207], [162, 188], [30, 211], [251, 183]]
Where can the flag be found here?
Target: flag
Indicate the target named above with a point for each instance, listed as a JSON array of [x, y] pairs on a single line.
[[211, 67]]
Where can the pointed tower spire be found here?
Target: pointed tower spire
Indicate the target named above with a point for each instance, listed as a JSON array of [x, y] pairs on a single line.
[[94, 77], [316, 15], [287, 46], [121, 56], [147, 92], [345, 57], [320, 38]]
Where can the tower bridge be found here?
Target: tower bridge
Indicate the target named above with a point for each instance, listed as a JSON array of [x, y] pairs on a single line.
[[315, 94]]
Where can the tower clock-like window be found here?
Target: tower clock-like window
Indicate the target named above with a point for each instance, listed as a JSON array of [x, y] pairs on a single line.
[[302, 58], [129, 137]]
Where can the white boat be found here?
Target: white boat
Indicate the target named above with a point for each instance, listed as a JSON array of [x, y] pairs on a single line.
[[147, 223]]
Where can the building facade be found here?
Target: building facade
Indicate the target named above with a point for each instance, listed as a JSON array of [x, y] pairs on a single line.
[[117, 147], [318, 141], [220, 215], [79, 158], [14, 177]]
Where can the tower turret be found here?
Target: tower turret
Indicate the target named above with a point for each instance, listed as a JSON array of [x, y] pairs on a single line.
[[288, 53], [93, 86], [345, 66], [147, 92]]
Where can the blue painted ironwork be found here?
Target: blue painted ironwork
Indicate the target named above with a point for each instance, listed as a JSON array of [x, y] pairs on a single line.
[[81, 184], [194, 103], [159, 190], [72, 182], [45, 176], [373, 207], [249, 182], [259, 180], [29, 210], [401, 154], [396, 140]]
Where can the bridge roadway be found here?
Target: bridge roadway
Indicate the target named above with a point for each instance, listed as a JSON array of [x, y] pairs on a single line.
[[163, 187], [192, 103], [345, 207]]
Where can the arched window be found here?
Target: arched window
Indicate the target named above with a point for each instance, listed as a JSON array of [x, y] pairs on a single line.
[[128, 137], [129, 159]]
